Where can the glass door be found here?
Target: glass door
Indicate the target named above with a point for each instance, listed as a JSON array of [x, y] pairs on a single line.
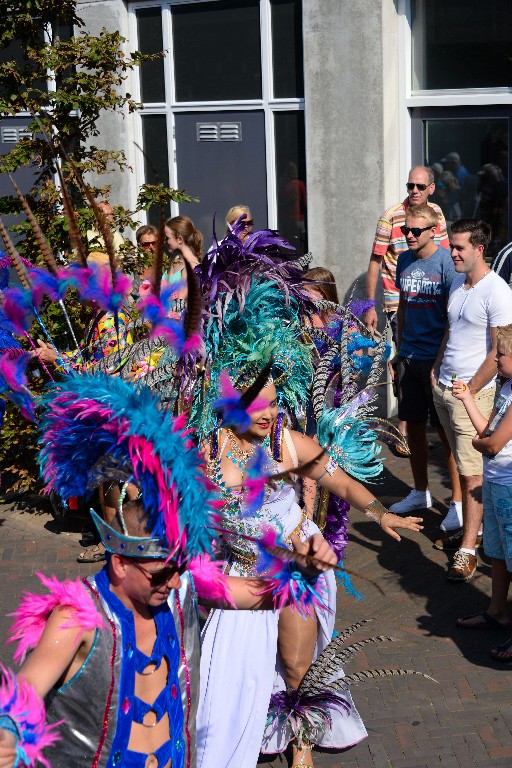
[[468, 150]]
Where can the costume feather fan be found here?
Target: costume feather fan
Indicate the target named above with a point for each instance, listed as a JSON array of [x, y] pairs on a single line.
[[24, 707], [91, 416], [228, 270]]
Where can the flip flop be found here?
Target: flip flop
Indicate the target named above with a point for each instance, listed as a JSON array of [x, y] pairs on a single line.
[[486, 622], [503, 648], [94, 554]]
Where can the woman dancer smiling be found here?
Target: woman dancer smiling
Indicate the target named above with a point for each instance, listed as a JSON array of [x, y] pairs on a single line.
[[240, 664]]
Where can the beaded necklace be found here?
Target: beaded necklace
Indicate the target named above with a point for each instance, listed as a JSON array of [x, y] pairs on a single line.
[[238, 456]]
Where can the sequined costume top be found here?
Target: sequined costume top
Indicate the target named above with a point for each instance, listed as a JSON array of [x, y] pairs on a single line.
[[98, 705]]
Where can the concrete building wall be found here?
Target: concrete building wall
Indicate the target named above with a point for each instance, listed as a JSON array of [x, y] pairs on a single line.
[[352, 150]]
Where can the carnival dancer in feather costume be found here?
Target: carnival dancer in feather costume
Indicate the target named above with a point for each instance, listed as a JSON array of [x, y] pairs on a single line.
[[123, 687], [254, 320]]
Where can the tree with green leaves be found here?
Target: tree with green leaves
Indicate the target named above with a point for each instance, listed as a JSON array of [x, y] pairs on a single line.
[[64, 78]]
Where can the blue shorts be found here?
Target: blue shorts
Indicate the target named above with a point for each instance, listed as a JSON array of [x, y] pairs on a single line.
[[498, 522]]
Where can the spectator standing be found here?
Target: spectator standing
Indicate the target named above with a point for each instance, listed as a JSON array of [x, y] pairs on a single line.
[[479, 302], [390, 242], [494, 442], [423, 277], [95, 242]]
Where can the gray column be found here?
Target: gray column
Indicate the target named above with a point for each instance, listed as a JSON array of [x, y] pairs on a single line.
[[343, 69]]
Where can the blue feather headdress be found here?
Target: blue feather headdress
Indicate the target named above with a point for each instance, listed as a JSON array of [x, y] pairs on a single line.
[[93, 419]]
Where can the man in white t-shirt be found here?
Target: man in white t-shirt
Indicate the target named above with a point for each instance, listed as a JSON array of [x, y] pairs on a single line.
[[479, 302]]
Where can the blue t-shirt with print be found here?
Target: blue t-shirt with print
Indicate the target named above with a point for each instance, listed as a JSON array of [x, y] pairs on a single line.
[[424, 286]]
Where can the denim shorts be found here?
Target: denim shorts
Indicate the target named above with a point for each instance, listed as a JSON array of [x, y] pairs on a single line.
[[498, 522]]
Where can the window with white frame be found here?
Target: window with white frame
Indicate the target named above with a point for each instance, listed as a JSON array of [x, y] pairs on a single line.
[[459, 97], [222, 57]]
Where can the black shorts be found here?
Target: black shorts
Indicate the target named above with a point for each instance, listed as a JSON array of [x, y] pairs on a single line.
[[415, 401]]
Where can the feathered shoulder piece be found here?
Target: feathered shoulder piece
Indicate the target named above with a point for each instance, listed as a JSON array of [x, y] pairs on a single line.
[[350, 442], [89, 417], [32, 613]]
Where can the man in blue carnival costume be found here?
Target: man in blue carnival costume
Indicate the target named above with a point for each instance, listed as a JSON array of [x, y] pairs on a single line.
[[122, 688]]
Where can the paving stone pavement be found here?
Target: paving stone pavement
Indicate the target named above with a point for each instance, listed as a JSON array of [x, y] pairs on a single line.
[[464, 720]]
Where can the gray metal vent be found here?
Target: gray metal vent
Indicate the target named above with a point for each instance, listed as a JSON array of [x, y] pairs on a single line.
[[12, 134], [219, 131]]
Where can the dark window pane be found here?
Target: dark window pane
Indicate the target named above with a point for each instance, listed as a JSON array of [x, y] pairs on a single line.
[[156, 156], [149, 26], [291, 177], [287, 48], [461, 43], [217, 50], [469, 158]]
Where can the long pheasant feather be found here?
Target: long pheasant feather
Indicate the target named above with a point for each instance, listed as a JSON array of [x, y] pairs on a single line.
[[44, 246], [371, 674], [17, 261]]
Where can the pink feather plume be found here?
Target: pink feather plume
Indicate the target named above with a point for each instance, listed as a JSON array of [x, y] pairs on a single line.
[[209, 580]]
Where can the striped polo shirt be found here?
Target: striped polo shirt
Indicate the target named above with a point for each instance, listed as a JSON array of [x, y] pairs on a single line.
[[389, 243]]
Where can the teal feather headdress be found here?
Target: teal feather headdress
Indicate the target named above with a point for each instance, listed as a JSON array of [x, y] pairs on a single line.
[[267, 328]]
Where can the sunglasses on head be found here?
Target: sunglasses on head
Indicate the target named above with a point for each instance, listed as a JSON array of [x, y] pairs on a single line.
[[416, 231], [422, 187], [248, 223], [148, 244], [160, 577]]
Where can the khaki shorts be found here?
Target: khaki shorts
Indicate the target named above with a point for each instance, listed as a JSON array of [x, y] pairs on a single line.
[[458, 427]]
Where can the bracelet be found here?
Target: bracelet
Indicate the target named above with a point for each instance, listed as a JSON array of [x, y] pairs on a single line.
[[330, 468], [376, 511]]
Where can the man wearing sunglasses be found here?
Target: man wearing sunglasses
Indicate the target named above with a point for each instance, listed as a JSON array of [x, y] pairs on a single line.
[[123, 638], [423, 277], [390, 242]]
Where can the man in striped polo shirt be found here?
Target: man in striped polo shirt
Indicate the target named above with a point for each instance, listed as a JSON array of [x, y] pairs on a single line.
[[389, 243]]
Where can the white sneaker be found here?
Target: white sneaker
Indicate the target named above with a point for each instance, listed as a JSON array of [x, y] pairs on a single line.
[[453, 519], [415, 500]]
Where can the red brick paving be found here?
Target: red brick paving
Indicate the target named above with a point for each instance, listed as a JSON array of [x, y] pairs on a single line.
[[462, 721]]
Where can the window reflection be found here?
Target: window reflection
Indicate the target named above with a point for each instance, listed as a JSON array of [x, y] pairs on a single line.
[[291, 178], [287, 48], [217, 50], [469, 158], [156, 158], [461, 44], [149, 28]]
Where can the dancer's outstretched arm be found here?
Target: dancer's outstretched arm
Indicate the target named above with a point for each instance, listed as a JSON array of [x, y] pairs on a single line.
[[330, 476]]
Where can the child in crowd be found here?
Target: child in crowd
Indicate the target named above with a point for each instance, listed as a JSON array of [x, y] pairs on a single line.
[[494, 441]]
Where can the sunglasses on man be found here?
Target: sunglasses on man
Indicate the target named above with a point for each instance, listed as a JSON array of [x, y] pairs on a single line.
[[416, 231], [422, 187], [160, 577], [148, 244]]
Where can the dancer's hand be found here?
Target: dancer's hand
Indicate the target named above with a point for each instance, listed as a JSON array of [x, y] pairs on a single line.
[[390, 522], [317, 547], [7, 748]]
